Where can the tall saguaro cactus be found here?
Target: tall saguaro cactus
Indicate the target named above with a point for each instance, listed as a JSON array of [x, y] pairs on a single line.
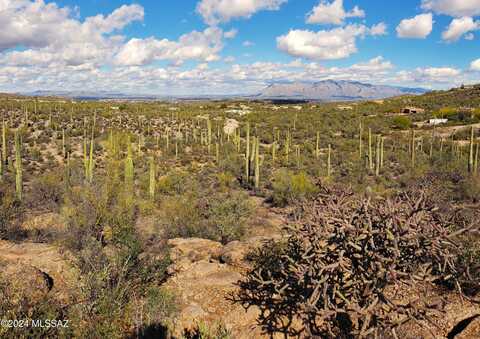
[[471, 156], [152, 183], [257, 164], [4, 143], [329, 161], [18, 168], [412, 149], [360, 140], [129, 170], [370, 149], [247, 153]]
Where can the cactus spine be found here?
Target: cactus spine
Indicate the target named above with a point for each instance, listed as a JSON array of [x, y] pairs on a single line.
[[18, 168]]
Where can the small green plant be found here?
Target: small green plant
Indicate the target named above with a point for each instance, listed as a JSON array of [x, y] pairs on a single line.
[[288, 187]]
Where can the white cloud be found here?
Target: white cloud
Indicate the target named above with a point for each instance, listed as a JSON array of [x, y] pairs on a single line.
[[475, 65], [469, 36], [37, 24], [377, 64], [332, 44], [218, 11], [53, 36], [456, 8], [458, 27], [379, 29], [248, 43], [418, 27], [332, 13], [203, 46], [230, 34], [432, 75]]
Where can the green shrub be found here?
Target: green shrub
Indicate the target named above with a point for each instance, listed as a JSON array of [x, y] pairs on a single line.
[[289, 187], [216, 216], [402, 122]]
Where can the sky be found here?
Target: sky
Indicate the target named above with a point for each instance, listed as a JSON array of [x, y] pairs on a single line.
[[194, 47]]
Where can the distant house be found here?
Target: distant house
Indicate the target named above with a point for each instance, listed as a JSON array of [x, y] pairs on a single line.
[[435, 122], [412, 110]]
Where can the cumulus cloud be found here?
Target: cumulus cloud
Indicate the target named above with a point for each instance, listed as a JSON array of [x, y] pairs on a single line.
[[456, 8], [459, 27], [39, 24], [332, 44], [475, 65], [332, 13], [432, 75], [377, 64], [53, 35], [203, 46], [418, 27], [214, 12], [379, 29]]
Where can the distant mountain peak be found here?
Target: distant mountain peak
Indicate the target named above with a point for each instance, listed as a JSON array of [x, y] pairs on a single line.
[[333, 90]]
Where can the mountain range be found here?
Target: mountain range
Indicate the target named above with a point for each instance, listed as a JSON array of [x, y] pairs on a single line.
[[327, 90]]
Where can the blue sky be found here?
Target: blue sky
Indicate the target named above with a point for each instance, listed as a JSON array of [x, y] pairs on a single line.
[[235, 46]]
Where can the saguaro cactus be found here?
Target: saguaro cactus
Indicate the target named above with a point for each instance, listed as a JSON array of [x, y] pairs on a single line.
[[18, 168], [360, 139], [4, 143], [329, 161], [317, 146], [257, 163], [129, 170], [209, 134], [471, 157], [247, 153], [370, 149], [377, 156], [412, 149], [152, 184]]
